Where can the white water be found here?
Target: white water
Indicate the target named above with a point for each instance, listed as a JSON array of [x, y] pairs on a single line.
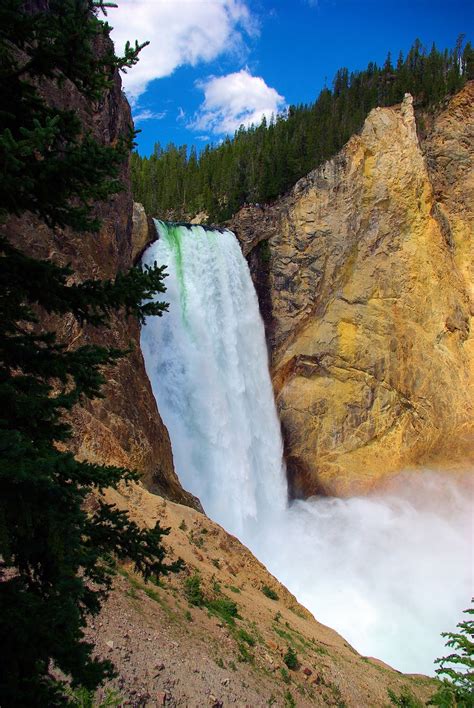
[[390, 572]]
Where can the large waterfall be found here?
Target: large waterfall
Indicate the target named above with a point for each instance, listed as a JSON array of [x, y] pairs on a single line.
[[388, 572], [207, 360]]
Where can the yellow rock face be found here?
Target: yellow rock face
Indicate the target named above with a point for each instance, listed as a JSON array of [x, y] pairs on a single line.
[[369, 317]]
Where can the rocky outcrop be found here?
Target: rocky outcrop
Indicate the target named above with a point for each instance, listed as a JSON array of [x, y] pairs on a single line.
[[123, 428], [143, 231], [364, 274]]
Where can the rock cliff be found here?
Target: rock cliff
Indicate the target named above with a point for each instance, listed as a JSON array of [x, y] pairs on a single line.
[[123, 428], [364, 274]]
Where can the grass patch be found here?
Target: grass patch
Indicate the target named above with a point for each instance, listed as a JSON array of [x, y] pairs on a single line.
[[268, 592], [244, 655], [232, 588], [298, 612], [197, 540], [321, 650], [406, 699], [193, 591], [246, 637], [224, 608]]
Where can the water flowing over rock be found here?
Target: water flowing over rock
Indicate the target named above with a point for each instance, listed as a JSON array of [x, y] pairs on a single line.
[[207, 362], [364, 275]]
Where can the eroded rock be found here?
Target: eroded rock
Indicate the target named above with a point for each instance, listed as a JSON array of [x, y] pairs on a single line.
[[365, 290]]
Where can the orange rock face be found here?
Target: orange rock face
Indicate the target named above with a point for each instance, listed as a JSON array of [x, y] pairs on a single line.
[[365, 284]]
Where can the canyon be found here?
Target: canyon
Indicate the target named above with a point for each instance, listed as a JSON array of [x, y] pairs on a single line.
[[364, 275]]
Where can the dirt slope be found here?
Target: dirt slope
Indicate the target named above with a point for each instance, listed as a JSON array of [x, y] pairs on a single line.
[[169, 652]]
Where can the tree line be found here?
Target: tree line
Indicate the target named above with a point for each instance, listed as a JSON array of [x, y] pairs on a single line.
[[261, 162]]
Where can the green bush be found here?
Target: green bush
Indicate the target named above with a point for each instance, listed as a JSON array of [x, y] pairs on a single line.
[[193, 590], [406, 699], [291, 659], [223, 607], [246, 637], [268, 592]]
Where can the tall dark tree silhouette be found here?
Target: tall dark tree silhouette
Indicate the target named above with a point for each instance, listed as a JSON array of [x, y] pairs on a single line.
[[56, 557]]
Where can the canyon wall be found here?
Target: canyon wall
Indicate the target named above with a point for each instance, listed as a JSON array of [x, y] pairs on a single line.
[[123, 428], [364, 275]]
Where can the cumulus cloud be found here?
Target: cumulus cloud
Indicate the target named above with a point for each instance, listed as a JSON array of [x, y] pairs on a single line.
[[233, 100], [146, 114], [180, 32]]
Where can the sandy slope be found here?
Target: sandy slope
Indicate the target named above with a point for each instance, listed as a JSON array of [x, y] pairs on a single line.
[[168, 652]]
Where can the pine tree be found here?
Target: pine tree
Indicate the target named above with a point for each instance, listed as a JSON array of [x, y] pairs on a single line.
[[457, 669], [57, 557]]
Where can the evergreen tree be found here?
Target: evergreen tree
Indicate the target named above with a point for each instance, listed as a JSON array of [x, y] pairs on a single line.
[[457, 669], [56, 556]]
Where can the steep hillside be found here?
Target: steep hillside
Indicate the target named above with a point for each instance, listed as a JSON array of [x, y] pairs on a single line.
[[171, 652], [364, 274]]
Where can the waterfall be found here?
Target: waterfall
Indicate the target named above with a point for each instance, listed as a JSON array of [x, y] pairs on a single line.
[[207, 361], [389, 572]]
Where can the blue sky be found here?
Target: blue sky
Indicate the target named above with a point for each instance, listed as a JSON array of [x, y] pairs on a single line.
[[213, 64]]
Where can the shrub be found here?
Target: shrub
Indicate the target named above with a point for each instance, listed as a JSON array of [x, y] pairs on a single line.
[[268, 592], [246, 637], [223, 607], [406, 699], [291, 659], [193, 590]]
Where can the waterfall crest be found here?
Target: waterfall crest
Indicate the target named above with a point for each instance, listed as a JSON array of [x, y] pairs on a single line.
[[207, 361]]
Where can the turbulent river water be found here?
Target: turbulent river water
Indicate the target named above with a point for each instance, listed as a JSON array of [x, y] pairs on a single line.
[[389, 572]]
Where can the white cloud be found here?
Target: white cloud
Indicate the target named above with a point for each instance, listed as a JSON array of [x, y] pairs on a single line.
[[233, 100], [180, 32], [146, 114], [181, 114]]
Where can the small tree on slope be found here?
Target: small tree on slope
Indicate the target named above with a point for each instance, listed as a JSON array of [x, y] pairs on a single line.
[[57, 558], [457, 669]]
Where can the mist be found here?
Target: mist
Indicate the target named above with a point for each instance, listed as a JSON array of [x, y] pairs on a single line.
[[389, 572]]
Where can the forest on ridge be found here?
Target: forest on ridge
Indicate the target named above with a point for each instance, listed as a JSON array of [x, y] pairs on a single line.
[[261, 162]]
